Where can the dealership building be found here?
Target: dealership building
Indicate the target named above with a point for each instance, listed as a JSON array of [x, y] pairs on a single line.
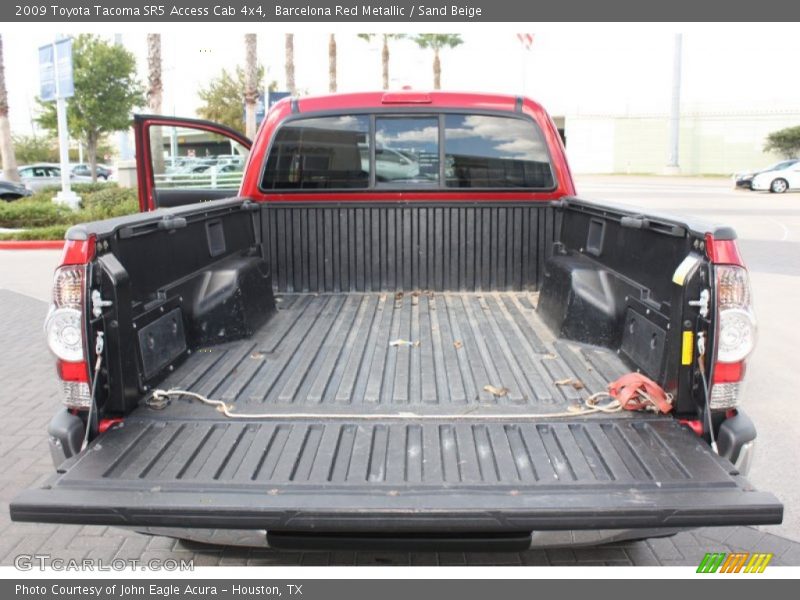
[[712, 142]]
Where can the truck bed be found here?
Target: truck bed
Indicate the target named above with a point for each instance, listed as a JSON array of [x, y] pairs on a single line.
[[334, 353], [356, 435]]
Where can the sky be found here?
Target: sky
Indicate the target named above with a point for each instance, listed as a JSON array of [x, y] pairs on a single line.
[[571, 69]]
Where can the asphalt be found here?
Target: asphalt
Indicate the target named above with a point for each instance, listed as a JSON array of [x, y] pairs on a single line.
[[769, 230]]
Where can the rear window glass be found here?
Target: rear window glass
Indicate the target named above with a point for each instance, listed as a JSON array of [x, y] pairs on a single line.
[[494, 152], [320, 153], [403, 151], [406, 151]]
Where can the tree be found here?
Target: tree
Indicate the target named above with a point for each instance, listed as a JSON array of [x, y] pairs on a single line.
[[785, 142], [332, 63], [37, 148], [155, 94], [222, 97], [251, 83], [289, 46], [384, 51], [437, 42], [9, 160], [106, 91], [32, 149]]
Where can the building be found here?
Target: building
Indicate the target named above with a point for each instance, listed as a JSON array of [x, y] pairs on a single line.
[[719, 142]]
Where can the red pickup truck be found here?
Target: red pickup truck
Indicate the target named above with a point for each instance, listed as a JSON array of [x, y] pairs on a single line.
[[401, 330]]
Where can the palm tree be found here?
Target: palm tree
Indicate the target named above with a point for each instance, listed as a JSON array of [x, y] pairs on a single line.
[[6, 144], [250, 84], [155, 95], [384, 51], [332, 63], [290, 64], [437, 42]]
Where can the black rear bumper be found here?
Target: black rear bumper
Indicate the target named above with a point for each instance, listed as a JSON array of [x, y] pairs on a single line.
[[420, 512], [400, 477]]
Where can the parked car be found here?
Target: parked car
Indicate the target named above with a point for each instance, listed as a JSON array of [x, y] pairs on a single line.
[[227, 159], [745, 180], [390, 165], [42, 175], [321, 359], [10, 190], [104, 172], [781, 178]]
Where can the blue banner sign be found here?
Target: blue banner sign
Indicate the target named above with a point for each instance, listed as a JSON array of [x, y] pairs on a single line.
[[55, 70], [275, 96]]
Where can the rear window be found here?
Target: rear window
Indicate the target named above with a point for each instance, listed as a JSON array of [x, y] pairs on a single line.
[[320, 153], [494, 152], [408, 151]]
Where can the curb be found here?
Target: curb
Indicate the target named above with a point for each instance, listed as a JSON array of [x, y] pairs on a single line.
[[31, 245]]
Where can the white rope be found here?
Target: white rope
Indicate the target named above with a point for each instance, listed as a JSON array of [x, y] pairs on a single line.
[[157, 400]]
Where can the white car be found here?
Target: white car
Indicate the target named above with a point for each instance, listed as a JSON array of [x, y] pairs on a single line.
[[390, 165], [42, 175], [782, 177]]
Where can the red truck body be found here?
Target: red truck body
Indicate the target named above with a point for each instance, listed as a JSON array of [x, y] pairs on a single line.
[[436, 102]]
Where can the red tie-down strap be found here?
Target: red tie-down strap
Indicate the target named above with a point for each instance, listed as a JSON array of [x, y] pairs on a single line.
[[634, 391]]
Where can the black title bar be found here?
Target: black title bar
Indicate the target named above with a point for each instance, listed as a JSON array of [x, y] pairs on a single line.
[[267, 588], [485, 11]]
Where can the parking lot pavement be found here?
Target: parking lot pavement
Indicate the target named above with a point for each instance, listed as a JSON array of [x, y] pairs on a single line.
[[28, 272], [32, 395]]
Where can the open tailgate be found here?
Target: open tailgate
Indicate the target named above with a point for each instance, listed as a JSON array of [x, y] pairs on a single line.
[[399, 475]]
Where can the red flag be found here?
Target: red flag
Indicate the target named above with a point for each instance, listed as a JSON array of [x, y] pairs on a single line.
[[526, 39]]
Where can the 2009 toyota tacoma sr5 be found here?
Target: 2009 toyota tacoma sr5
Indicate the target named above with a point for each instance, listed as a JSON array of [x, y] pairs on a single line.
[[405, 329]]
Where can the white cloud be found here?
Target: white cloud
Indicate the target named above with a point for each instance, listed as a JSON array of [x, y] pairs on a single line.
[[426, 135], [511, 137]]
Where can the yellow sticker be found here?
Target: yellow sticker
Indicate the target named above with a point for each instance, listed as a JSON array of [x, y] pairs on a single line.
[[688, 348], [687, 266]]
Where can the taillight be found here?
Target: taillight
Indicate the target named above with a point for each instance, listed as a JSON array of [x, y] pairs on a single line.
[[736, 323], [65, 326]]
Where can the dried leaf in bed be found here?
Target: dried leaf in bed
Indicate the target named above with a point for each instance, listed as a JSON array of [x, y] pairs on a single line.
[[498, 392]]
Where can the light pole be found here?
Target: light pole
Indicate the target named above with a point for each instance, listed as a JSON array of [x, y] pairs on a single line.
[[66, 195], [673, 166]]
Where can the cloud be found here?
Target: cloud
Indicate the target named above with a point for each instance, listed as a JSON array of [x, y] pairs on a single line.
[[342, 123], [426, 135], [507, 138]]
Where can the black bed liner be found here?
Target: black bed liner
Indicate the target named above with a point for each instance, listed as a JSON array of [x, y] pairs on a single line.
[[334, 352], [473, 474]]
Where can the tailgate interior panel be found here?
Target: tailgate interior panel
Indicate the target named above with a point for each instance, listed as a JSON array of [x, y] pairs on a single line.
[[360, 475]]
